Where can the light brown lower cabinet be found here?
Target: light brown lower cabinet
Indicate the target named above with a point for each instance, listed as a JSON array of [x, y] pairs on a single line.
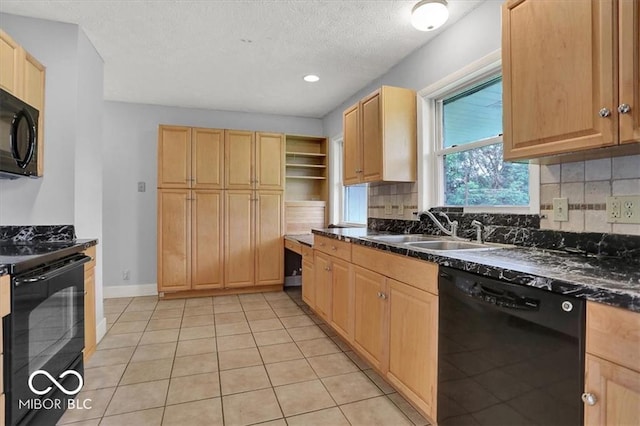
[[239, 238], [5, 309], [390, 323], [90, 304], [370, 313], [190, 255], [616, 391], [308, 278], [269, 230], [612, 366], [413, 343]]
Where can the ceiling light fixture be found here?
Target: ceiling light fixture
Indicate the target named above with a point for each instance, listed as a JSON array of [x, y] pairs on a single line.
[[427, 15], [311, 78]]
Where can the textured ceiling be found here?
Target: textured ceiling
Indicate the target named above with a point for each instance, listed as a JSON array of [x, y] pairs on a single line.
[[242, 55]]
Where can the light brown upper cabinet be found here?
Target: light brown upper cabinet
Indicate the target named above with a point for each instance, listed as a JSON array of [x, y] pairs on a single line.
[[24, 77], [190, 157], [380, 137], [571, 79], [10, 64], [255, 160]]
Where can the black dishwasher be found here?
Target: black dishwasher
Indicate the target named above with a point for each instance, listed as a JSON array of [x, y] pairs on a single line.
[[508, 354]]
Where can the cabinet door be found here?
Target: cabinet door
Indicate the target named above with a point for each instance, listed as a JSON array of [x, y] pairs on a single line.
[[239, 269], [207, 249], [89, 312], [342, 298], [33, 94], [308, 282], [352, 167], [174, 239], [239, 159], [322, 268], [369, 315], [629, 39], [413, 348], [207, 150], [269, 237], [174, 157], [617, 392], [270, 161], [558, 73], [371, 138], [10, 62]]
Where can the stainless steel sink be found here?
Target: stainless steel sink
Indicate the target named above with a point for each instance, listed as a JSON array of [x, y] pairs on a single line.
[[405, 238], [449, 245]]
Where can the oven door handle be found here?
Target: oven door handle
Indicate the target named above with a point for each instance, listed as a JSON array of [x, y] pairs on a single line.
[[54, 273]]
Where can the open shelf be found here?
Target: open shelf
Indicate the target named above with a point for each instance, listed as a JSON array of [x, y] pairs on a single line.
[[306, 183]]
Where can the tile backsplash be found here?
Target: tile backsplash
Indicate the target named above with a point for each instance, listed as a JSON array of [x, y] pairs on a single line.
[[586, 185], [395, 194]]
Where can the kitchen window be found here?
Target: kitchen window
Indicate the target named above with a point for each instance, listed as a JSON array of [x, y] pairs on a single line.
[[461, 123], [349, 203]]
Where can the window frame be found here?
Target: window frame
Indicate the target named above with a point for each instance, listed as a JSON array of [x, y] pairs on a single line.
[[336, 187], [430, 167]]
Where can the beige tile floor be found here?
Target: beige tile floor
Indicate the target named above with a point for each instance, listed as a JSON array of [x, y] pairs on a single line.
[[230, 360]]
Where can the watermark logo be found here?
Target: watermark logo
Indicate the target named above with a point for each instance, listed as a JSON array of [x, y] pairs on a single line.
[[55, 382], [54, 403]]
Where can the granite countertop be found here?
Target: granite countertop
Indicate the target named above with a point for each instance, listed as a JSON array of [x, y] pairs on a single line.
[[18, 256], [306, 239], [611, 281]]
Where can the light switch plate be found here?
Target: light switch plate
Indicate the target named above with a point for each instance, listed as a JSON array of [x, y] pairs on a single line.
[[623, 209], [142, 186], [388, 209], [560, 209]]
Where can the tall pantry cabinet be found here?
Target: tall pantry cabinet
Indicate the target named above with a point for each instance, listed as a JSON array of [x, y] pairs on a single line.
[[218, 230]]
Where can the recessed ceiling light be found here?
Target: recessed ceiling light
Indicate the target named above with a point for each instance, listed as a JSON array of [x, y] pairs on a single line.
[[311, 78]]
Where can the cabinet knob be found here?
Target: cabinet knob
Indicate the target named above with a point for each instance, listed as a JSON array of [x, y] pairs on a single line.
[[334, 248], [589, 398], [604, 112], [326, 268], [383, 296], [624, 108]]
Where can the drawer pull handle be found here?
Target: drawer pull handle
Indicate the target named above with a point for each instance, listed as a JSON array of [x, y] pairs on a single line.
[[589, 398]]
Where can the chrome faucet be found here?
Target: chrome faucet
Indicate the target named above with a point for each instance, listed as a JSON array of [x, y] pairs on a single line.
[[478, 226], [453, 224]]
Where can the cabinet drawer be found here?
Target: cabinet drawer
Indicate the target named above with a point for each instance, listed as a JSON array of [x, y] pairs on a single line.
[[5, 296], [294, 246], [614, 334], [307, 253], [91, 252], [417, 273], [333, 247]]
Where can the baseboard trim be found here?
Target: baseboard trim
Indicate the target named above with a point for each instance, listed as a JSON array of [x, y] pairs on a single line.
[[101, 330], [112, 292]]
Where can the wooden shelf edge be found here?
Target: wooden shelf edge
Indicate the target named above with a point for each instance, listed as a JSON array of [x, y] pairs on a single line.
[[307, 177], [309, 166], [305, 154], [305, 203]]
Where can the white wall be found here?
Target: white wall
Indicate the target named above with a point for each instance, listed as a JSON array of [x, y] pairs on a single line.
[[130, 156], [70, 192], [88, 154], [48, 200], [471, 38]]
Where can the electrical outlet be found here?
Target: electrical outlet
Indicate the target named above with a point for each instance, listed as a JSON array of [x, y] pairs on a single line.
[[388, 209], [560, 209], [126, 275], [623, 209]]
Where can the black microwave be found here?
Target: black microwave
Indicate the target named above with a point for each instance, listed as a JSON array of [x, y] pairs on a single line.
[[18, 137]]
